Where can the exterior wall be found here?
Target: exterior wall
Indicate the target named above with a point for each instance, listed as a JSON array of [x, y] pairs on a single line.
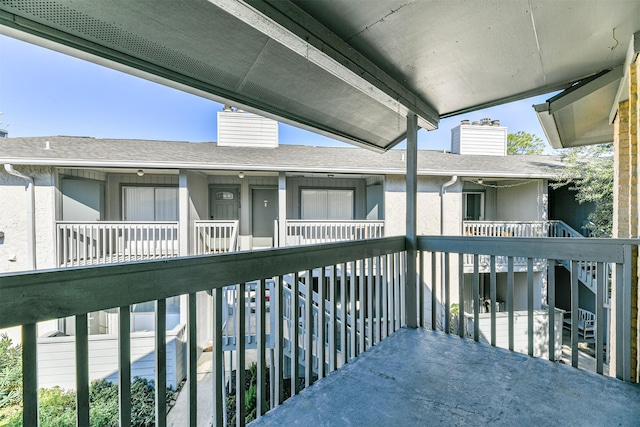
[[563, 206], [527, 202], [57, 363], [13, 221], [625, 210]]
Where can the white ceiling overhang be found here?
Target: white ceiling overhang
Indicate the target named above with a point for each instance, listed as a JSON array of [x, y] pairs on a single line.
[[580, 115], [350, 69]]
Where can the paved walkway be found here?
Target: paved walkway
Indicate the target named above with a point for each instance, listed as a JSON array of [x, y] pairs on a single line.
[[418, 377]]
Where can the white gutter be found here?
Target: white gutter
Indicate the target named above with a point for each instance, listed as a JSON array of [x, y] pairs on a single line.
[[31, 218]]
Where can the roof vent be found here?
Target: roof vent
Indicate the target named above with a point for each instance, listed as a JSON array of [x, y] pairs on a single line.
[[495, 122], [464, 122], [475, 123], [485, 122]]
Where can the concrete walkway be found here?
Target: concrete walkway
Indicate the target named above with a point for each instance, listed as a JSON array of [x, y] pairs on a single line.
[[418, 377]]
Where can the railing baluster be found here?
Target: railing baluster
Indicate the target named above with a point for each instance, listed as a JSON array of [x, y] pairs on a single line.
[[333, 298], [434, 294], [574, 313], [421, 285], [192, 359], [308, 330], [551, 302], [240, 333], [352, 311], [461, 295], [600, 318], [124, 365], [446, 298], [493, 296], [161, 362], [510, 278], [294, 338], [362, 308], [82, 371], [322, 323], [385, 297], [476, 298], [277, 299], [530, 305], [217, 362], [369, 294], [261, 398], [343, 313], [621, 272], [378, 298], [29, 375]]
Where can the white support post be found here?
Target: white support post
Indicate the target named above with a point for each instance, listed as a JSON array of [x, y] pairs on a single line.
[[282, 209], [411, 191]]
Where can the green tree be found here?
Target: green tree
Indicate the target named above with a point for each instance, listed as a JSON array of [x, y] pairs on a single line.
[[524, 143], [589, 172]]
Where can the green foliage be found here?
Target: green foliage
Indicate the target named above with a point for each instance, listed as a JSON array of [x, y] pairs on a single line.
[[524, 143], [58, 406], [10, 373], [250, 397], [589, 172]]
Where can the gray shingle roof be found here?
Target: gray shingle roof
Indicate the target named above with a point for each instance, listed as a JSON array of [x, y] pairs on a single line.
[[91, 152]]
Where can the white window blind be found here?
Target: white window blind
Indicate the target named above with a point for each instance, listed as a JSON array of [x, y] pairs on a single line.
[[150, 203], [330, 204]]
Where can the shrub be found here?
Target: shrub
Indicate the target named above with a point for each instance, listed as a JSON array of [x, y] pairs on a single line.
[[58, 406]]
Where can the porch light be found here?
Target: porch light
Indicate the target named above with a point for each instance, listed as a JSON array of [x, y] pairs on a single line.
[[241, 175], [480, 181], [140, 172]]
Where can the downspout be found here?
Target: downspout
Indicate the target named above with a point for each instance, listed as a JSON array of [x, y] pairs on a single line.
[[443, 191], [31, 218]]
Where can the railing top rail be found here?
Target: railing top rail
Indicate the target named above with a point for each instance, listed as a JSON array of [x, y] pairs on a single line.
[[215, 221], [329, 221], [505, 222], [85, 289], [105, 223], [590, 249]]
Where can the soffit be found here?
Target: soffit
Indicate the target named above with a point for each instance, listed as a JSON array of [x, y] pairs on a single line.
[[350, 69]]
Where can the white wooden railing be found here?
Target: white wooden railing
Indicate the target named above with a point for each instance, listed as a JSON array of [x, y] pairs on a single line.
[[305, 232], [505, 228], [213, 237], [101, 242], [446, 254], [373, 300]]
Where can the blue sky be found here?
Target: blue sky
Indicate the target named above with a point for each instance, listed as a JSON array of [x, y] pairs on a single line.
[[46, 93]]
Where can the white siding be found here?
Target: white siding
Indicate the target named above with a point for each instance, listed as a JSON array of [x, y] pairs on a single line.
[[520, 331], [479, 140], [56, 358], [246, 130]]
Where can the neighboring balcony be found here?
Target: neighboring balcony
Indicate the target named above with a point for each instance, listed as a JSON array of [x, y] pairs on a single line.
[[108, 242], [309, 232]]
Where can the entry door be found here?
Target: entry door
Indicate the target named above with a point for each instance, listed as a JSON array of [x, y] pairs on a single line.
[[224, 203], [264, 205]]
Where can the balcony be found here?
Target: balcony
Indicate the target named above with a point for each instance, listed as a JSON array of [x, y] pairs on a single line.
[[361, 287], [306, 232]]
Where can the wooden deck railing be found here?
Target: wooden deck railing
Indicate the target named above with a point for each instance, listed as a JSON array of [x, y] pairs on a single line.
[[305, 232], [102, 242], [365, 278], [441, 268], [214, 237], [360, 286]]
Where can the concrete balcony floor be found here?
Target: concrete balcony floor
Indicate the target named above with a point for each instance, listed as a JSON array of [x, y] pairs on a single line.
[[418, 377]]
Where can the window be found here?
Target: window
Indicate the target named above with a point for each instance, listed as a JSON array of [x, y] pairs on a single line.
[[473, 206], [149, 203], [325, 203]]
